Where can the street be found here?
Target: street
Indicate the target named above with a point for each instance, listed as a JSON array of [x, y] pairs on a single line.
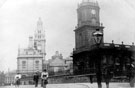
[[75, 85]]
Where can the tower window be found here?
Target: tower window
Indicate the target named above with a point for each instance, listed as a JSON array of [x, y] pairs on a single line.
[[39, 36], [93, 21], [80, 34], [39, 31], [80, 39]]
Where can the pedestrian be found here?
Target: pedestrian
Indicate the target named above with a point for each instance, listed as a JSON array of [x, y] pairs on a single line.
[[99, 78], [132, 80], [44, 78], [17, 80], [91, 78], [107, 75], [35, 79]]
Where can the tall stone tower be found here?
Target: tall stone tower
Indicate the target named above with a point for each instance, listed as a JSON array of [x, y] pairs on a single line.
[[88, 22], [39, 39]]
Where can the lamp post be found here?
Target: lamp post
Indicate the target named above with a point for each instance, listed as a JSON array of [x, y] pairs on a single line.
[[98, 35]]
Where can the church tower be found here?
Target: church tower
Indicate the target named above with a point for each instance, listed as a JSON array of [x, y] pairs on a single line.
[[88, 22], [39, 38], [88, 13]]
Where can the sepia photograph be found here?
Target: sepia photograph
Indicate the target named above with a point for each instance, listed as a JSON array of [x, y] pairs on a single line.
[[67, 44]]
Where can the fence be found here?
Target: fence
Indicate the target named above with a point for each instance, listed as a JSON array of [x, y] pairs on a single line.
[[85, 78]]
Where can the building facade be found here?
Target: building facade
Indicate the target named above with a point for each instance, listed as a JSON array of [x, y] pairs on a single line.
[[87, 56], [57, 65], [2, 78], [9, 78], [31, 59]]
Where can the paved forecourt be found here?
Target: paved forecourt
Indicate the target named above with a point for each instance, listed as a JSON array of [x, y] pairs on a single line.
[[75, 85], [52, 86]]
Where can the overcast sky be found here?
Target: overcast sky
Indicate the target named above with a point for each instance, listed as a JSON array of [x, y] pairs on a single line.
[[18, 21]]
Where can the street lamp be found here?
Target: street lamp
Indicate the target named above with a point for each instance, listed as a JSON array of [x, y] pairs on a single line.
[[98, 35]]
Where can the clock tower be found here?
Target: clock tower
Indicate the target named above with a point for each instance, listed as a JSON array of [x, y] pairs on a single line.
[[88, 13], [88, 22]]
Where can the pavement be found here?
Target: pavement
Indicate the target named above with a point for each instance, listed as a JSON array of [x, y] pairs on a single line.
[[75, 85]]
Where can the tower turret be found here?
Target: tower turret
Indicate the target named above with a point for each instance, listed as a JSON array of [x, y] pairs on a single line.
[[88, 22], [39, 40], [31, 42]]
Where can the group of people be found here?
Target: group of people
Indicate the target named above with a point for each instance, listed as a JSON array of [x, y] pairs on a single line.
[[36, 77], [44, 78]]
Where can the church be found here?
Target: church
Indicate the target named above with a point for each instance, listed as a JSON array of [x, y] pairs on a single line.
[[91, 56], [31, 59]]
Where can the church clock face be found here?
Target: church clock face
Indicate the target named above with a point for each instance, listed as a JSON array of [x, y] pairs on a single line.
[[93, 11]]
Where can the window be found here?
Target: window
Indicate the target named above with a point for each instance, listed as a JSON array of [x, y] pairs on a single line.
[[93, 21], [37, 64], [23, 64], [80, 39], [39, 36], [39, 31]]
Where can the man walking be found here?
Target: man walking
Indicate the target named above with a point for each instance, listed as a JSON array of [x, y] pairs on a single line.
[[36, 78]]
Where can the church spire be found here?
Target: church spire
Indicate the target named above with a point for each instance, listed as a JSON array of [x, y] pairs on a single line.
[[39, 32], [39, 39], [39, 21], [39, 24]]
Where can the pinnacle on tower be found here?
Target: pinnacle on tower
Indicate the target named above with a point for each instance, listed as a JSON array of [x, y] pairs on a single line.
[[39, 21]]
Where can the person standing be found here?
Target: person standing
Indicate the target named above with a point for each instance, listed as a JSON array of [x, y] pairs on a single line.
[[99, 78], [132, 79], [35, 79], [107, 75], [44, 78], [17, 80], [91, 78]]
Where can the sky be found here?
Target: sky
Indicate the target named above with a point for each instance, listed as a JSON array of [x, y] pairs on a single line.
[[18, 20]]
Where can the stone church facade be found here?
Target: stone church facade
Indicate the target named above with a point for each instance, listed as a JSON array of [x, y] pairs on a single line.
[[30, 60]]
